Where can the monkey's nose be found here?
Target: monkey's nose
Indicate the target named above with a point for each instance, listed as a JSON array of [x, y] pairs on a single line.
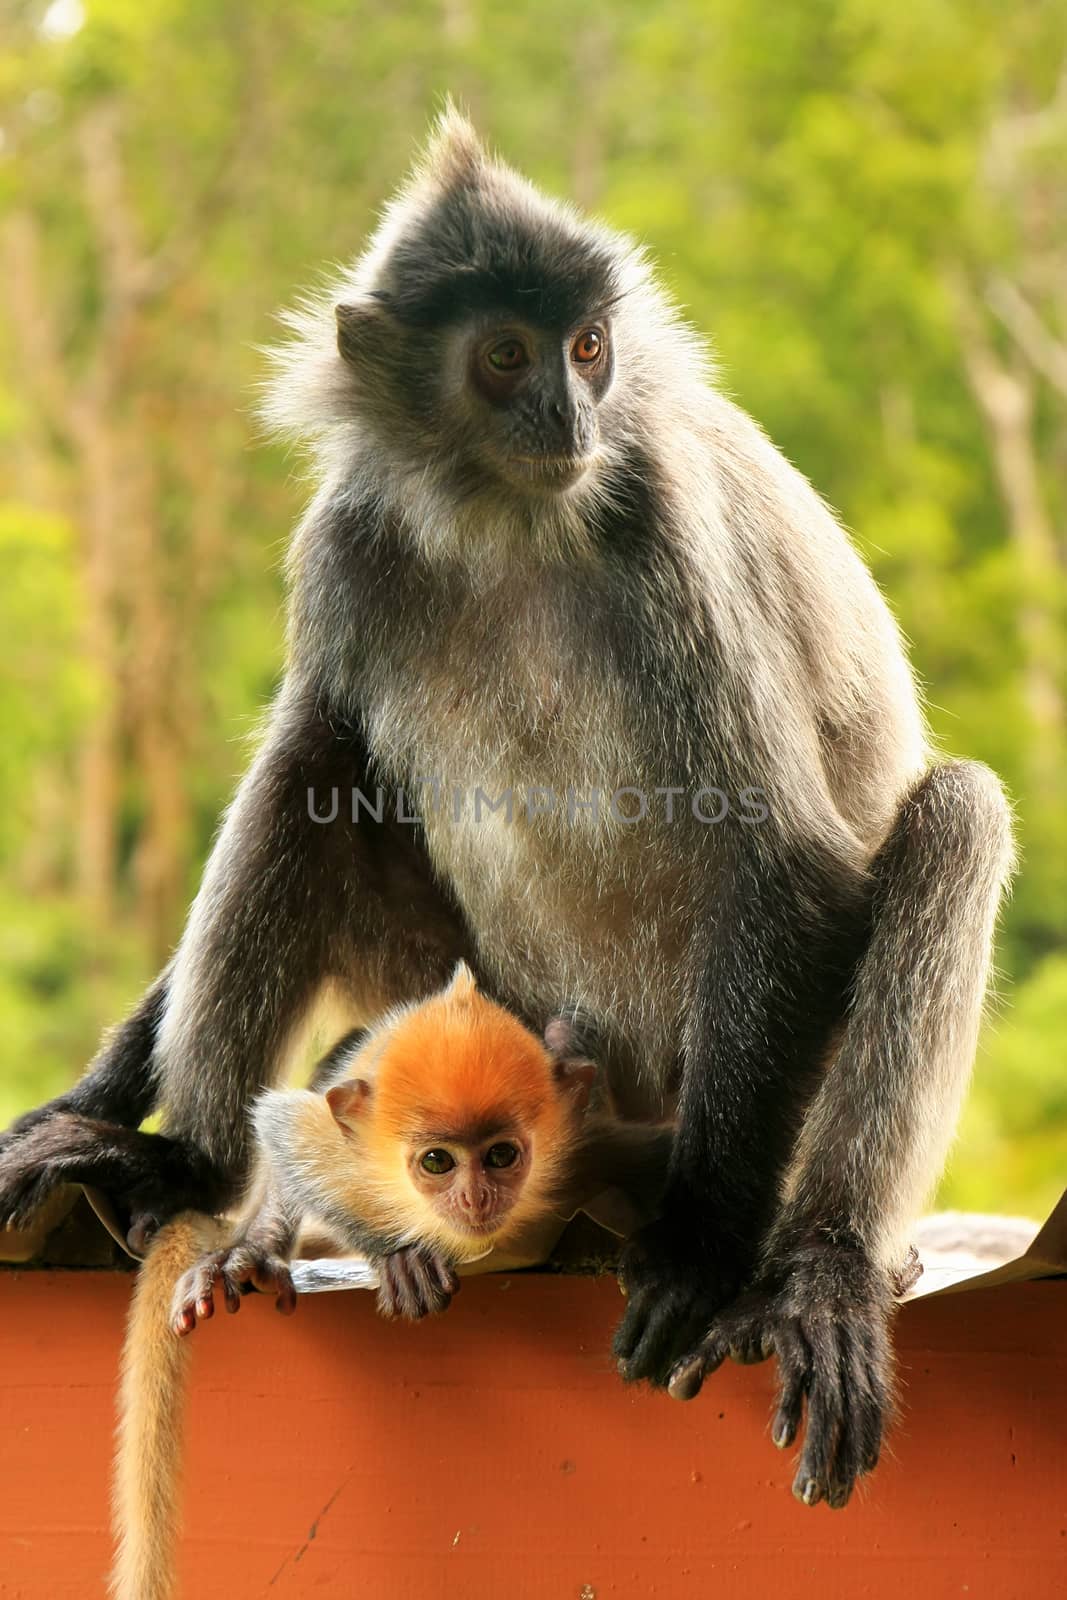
[[476, 1202]]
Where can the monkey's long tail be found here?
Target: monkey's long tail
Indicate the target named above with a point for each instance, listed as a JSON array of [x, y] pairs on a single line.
[[145, 1509]]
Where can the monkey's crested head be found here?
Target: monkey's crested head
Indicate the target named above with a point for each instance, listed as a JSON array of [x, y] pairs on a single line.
[[458, 1120], [475, 349]]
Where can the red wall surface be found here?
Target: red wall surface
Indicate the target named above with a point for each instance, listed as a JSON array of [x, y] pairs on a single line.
[[493, 1453]]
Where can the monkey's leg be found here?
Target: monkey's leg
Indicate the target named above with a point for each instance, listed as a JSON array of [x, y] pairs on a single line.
[[875, 1136], [768, 991]]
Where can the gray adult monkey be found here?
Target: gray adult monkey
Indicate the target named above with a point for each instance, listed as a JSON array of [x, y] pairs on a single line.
[[545, 552]]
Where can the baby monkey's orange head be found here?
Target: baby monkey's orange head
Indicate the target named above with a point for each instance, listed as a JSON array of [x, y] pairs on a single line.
[[463, 1117]]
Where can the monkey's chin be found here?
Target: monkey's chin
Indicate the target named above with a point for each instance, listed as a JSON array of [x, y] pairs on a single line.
[[479, 1232], [547, 474]]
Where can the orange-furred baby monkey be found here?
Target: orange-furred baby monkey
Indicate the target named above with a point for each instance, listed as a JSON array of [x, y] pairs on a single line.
[[448, 1132], [445, 1134]]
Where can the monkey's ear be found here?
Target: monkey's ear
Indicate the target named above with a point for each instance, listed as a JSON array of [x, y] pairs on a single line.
[[356, 328], [575, 1079], [462, 985], [349, 1101]]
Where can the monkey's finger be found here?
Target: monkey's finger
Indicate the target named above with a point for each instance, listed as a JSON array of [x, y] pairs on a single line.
[[285, 1300], [877, 1368], [650, 1355], [231, 1291], [907, 1275], [395, 1295], [687, 1379], [447, 1276], [793, 1369], [630, 1331], [429, 1293], [813, 1475], [205, 1301], [856, 1415]]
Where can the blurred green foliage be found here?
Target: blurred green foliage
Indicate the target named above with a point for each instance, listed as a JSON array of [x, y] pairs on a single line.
[[866, 208]]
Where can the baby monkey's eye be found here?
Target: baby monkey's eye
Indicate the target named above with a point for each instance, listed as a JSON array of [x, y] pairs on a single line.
[[510, 355], [587, 346], [501, 1155], [437, 1162]]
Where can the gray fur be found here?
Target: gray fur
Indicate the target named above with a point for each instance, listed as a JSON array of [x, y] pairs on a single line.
[[472, 633], [682, 610]]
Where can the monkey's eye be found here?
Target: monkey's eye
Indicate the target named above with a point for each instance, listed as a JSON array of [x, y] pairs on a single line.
[[510, 355], [588, 346], [437, 1162], [501, 1155]]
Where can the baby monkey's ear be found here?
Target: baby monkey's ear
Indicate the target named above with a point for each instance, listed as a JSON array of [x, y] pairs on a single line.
[[576, 1079], [575, 1073], [349, 1101]]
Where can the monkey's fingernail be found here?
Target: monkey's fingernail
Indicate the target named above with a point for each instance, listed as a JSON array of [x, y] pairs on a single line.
[[810, 1494], [685, 1383], [623, 1290], [782, 1436]]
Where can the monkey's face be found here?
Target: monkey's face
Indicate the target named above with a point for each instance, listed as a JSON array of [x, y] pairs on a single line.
[[471, 1185], [532, 395]]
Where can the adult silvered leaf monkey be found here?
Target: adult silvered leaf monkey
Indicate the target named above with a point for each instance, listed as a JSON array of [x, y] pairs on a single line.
[[546, 556]]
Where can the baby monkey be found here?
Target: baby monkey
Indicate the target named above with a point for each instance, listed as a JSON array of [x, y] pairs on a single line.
[[444, 1134], [448, 1132]]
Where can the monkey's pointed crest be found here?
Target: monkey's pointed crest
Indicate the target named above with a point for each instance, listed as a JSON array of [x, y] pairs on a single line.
[[453, 152], [462, 985]]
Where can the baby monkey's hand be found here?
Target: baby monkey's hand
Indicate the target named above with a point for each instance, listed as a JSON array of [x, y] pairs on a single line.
[[236, 1272], [414, 1283]]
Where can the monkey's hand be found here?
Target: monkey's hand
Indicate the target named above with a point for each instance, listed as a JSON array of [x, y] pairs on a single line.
[[236, 1271], [414, 1283], [673, 1289], [824, 1310]]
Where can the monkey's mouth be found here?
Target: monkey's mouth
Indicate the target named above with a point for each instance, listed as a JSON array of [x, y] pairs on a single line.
[[479, 1230], [553, 472]]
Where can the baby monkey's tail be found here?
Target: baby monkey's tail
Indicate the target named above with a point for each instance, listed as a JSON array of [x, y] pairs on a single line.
[[145, 1513]]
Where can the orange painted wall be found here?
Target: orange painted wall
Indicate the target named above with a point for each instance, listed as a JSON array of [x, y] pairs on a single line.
[[493, 1453]]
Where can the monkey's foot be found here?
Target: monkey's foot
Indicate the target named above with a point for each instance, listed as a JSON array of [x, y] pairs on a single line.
[[414, 1283], [34, 1161], [234, 1272], [824, 1311], [146, 1177], [672, 1296]]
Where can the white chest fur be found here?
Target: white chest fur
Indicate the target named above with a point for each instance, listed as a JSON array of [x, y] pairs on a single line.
[[518, 749]]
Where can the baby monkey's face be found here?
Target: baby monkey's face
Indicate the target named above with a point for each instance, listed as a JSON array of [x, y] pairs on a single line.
[[471, 1181]]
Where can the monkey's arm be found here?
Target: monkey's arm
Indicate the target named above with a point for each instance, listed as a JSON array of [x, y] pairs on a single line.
[[770, 973], [287, 903]]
